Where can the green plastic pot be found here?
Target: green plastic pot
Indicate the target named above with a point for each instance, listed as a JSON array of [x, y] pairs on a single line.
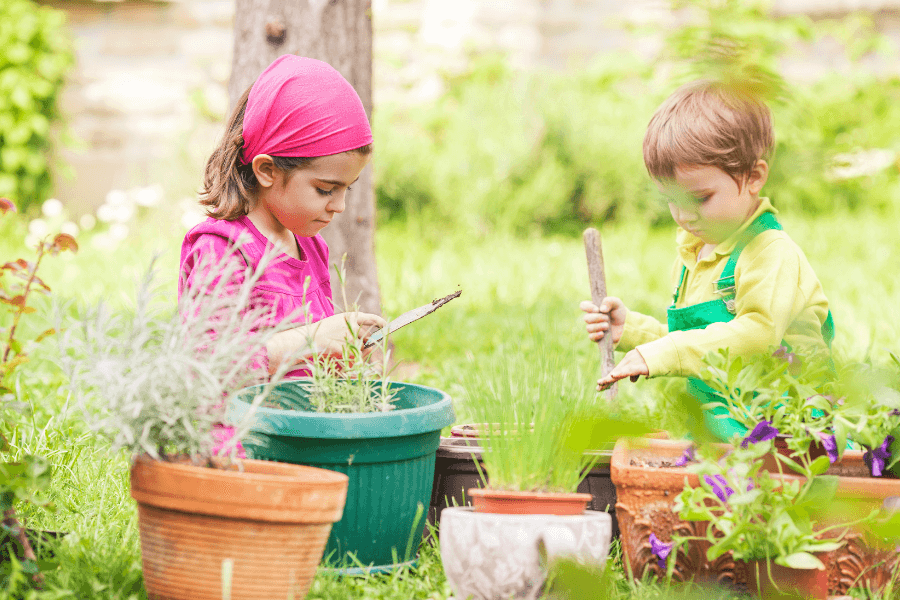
[[389, 458]]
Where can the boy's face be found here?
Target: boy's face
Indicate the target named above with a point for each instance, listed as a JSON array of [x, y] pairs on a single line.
[[707, 202]]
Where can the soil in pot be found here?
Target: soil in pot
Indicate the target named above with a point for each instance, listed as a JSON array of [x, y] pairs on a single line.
[[770, 580]]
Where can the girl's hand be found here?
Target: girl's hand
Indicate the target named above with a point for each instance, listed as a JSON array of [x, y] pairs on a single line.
[[632, 366], [610, 314], [332, 333]]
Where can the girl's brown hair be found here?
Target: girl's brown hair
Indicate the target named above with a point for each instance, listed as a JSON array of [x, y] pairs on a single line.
[[228, 185], [708, 123]]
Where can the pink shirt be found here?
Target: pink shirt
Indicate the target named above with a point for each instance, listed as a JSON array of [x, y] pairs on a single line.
[[282, 283]]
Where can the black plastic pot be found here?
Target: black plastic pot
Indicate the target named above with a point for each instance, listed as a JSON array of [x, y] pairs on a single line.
[[455, 472]]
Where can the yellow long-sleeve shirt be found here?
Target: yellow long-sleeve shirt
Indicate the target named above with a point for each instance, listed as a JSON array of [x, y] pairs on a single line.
[[778, 298]]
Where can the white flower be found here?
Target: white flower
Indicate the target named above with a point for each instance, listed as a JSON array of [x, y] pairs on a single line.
[[70, 228], [118, 231], [116, 197], [191, 215], [38, 228], [87, 221], [148, 196], [52, 208], [861, 162]]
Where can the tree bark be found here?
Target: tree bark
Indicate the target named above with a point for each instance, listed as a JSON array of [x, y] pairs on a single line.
[[338, 32]]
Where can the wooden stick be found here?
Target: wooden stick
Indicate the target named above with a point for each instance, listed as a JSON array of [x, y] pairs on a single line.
[[594, 253]]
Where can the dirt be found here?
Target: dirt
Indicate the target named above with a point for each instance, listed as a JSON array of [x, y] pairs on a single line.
[[655, 463]]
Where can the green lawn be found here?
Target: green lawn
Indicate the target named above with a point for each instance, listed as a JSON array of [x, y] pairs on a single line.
[[520, 296]]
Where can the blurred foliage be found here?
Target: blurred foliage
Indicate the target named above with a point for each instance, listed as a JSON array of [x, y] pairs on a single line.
[[550, 152], [35, 55]]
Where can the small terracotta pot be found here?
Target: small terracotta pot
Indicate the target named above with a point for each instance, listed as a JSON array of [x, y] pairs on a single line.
[[774, 581], [528, 503], [259, 532], [771, 462]]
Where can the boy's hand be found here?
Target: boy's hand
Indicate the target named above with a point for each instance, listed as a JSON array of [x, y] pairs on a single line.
[[632, 366], [610, 314]]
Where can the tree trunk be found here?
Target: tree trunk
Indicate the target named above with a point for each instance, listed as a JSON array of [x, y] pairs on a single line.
[[338, 32]]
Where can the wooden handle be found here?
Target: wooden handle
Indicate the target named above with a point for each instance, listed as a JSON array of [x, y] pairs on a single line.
[[594, 253]]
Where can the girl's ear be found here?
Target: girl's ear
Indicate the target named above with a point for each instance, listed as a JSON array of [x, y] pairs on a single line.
[[264, 169], [758, 176]]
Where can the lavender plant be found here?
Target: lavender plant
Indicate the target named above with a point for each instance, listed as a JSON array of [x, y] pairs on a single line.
[[155, 381]]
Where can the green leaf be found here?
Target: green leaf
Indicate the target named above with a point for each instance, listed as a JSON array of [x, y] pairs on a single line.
[[819, 466], [800, 560]]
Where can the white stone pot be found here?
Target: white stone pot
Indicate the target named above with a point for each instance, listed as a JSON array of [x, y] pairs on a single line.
[[490, 556]]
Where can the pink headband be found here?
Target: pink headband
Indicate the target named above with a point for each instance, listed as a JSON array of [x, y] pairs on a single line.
[[303, 107]]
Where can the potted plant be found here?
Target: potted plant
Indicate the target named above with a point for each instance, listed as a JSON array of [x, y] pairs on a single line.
[[534, 456], [773, 524], [650, 474], [348, 416], [154, 383]]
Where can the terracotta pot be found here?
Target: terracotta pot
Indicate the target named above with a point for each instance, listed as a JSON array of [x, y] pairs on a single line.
[[774, 581], [771, 463], [528, 503], [646, 487], [260, 532]]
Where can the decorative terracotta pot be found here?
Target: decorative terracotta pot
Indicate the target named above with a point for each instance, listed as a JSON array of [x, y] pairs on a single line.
[[497, 556], [528, 503], [768, 580], [259, 532], [646, 486]]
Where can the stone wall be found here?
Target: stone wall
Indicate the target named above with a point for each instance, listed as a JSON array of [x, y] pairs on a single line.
[[148, 92]]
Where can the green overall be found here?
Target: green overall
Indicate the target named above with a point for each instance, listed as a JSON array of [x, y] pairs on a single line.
[[721, 310]]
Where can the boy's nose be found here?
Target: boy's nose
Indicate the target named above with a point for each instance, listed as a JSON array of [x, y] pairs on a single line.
[[682, 213]]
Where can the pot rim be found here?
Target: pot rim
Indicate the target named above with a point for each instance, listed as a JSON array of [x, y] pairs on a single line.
[[307, 424], [264, 491], [470, 512]]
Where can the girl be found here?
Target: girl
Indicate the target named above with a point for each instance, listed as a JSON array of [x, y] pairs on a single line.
[[296, 141]]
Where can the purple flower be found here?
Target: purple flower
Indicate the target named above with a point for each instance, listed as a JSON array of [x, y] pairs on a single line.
[[660, 550], [6, 205], [793, 361], [762, 432], [688, 456], [829, 442], [877, 459], [719, 486]]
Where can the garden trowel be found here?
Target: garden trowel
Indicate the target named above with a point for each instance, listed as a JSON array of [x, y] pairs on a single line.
[[408, 317]]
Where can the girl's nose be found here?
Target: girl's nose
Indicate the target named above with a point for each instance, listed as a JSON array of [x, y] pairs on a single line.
[[338, 203]]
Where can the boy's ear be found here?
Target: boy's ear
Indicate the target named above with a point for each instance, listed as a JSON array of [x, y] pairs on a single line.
[[758, 176], [264, 169]]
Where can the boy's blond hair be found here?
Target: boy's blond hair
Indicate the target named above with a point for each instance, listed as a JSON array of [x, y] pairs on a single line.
[[708, 123]]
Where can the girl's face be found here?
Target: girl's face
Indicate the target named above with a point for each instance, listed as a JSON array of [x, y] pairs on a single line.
[[707, 202], [305, 200]]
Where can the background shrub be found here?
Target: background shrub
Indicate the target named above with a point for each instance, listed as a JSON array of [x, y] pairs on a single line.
[[35, 54]]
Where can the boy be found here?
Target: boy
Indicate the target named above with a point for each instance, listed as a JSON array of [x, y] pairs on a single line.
[[741, 282]]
